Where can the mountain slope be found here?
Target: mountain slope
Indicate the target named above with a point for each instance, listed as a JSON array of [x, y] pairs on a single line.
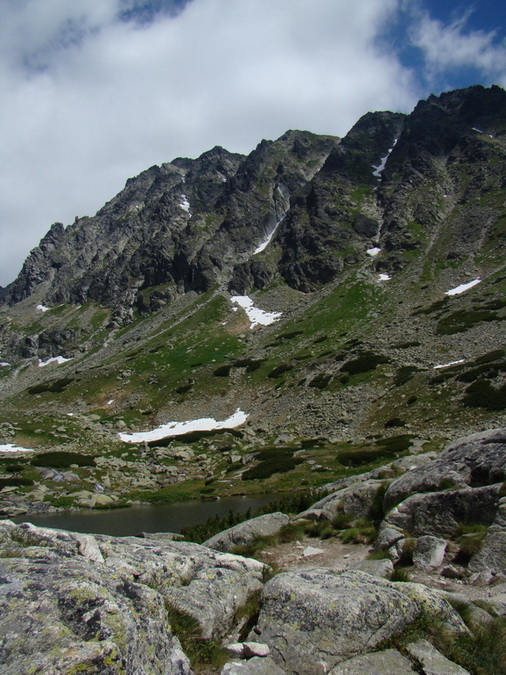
[[355, 242]]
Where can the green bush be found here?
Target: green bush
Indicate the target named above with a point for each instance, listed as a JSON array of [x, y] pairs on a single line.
[[320, 381], [267, 467], [279, 370], [62, 460], [404, 374], [222, 371], [363, 363], [201, 652], [460, 321], [481, 394], [53, 386]]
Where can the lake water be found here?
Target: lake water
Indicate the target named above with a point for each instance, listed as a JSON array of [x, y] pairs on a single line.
[[153, 518]]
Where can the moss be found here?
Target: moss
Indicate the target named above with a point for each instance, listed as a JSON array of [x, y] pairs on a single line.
[[201, 652]]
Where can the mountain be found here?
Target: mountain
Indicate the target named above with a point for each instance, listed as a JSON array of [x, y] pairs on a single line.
[[380, 257]]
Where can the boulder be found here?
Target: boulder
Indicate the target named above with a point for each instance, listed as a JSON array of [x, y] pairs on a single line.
[[440, 513], [59, 614], [245, 533], [256, 666], [355, 501], [314, 616], [492, 554], [386, 662], [429, 552], [207, 585], [431, 660], [477, 460], [377, 568]]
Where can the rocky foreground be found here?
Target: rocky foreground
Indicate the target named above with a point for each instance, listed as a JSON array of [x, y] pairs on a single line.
[[76, 603]]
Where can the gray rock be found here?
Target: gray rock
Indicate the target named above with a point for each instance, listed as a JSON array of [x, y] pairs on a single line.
[[377, 568], [441, 513], [355, 501], [477, 460], [492, 554], [208, 585], [255, 666], [429, 552], [246, 532], [316, 616], [61, 614], [387, 662], [432, 661]]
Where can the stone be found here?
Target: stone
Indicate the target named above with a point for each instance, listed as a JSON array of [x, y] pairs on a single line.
[[255, 666], [441, 513], [246, 532], [429, 552], [354, 501], [377, 568], [205, 584], [432, 661], [431, 603], [317, 615], [477, 460], [255, 649], [311, 551], [387, 662]]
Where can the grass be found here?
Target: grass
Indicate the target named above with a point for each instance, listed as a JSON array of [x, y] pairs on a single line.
[[201, 652]]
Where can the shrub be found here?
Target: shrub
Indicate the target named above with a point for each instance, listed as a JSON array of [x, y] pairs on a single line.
[[481, 394], [404, 374], [362, 532], [280, 464], [53, 386], [363, 363], [320, 381], [62, 460], [279, 370], [222, 371], [460, 321]]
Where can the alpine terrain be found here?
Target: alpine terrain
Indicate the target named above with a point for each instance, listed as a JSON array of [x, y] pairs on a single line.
[[322, 317]]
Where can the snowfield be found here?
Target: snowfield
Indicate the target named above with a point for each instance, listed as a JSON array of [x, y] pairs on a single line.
[[255, 315], [178, 428], [463, 287], [8, 447], [54, 359]]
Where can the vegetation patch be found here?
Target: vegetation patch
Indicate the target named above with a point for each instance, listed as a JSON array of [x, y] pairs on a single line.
[[363, 363], [279, 370], [481, 394], [321, 381], [62, 460], [201, 652], [272, 461], [462, 320], [53, 386], [404, 374]]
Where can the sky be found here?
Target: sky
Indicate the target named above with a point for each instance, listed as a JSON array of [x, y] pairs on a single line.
[[93, 92]]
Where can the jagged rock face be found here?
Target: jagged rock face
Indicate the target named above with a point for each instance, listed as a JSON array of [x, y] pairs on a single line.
[[396, 180], [183, 226]]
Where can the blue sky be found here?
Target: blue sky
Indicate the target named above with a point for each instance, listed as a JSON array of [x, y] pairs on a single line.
[[95, 91]]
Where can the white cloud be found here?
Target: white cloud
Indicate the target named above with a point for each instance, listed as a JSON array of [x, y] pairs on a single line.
[[456, 45], [89, 100]]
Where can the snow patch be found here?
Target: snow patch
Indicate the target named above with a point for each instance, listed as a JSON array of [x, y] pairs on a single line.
[[478, 130], [54, 359], [4, 364], [373, 251], [384, 277], [463, 287], [450, 363], [255, 315], [379, 168], [8, 447], [110, 402], [178, 428], [43, 308], [184, 203], [268, 240]]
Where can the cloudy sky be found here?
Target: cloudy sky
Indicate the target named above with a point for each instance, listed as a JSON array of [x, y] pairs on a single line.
[[94, 91]]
